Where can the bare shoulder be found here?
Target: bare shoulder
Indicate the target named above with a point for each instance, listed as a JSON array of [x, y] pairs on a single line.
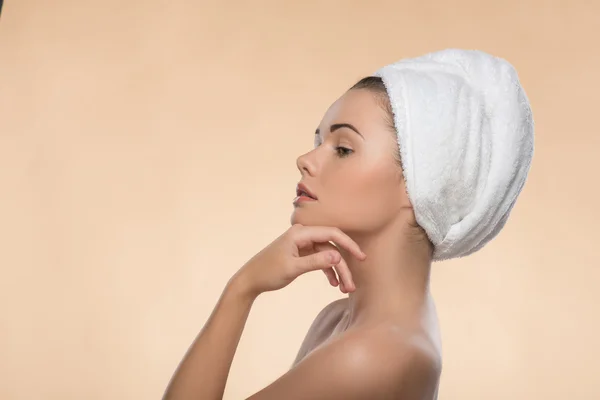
[[321, 327], [333, 307], [362, 364], [331, 311], [389, 364]]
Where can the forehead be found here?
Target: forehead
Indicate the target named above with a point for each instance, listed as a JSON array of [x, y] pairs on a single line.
[[358, 107]]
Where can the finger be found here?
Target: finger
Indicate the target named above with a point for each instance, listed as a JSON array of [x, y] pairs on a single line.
[[320, 260], [310, 234], [347, 284], [312, 248], [341, 282], [330, 274], [344, 275]]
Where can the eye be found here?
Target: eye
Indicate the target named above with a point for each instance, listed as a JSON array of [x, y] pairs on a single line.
[[343, 151]]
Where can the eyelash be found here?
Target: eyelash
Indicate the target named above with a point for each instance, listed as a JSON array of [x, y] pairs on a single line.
[[343, 151], [340, 150]]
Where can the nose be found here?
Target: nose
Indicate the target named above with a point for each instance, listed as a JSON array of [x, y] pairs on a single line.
[[305, 164]]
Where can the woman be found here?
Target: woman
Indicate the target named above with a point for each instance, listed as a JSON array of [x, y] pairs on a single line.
[[421, 162]]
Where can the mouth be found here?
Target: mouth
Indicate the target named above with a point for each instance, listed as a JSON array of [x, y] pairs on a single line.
[[302, 192]]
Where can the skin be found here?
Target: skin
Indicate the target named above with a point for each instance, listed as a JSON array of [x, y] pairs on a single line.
[[382, 342]]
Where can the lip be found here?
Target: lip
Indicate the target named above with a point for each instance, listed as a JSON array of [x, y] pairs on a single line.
[[302, 189]]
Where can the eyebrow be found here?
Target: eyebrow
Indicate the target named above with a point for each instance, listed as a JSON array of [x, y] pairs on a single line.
[[335, 127]]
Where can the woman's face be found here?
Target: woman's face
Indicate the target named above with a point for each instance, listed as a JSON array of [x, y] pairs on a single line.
[[352, 173]]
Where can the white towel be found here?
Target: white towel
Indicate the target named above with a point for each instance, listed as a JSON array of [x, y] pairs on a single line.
[[465, 132]]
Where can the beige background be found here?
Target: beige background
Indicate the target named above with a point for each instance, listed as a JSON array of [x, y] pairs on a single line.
[[147, 150]]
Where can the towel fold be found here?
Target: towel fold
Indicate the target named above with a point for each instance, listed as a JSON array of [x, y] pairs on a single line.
[[465, 131]]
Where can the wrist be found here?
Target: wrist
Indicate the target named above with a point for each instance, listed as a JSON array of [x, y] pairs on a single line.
[[239, 288]]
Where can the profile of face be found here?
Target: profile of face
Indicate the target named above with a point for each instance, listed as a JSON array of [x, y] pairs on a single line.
[[353, 170]]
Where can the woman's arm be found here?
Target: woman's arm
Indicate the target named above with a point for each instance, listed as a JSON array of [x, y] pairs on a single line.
[[202, 374]]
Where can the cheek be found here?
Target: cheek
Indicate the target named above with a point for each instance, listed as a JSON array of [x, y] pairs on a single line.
[[372, 196]]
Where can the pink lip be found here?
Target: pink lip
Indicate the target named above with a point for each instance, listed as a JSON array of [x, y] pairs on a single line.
[[303, 194], [302, 199], [301, 189]]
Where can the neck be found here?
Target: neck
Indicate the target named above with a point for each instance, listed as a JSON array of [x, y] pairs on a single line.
[[393, 282]]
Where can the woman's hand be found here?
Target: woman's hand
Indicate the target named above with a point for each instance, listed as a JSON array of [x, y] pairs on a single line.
[[299, 250]]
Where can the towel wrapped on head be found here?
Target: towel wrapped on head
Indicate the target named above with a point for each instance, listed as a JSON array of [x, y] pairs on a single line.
[[465, 133]]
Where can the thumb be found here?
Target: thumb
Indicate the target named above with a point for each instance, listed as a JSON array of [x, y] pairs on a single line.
[[320, 260]]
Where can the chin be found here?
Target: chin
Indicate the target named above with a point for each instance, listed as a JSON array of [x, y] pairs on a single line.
[[297, 217], [312, 218], [304, 217], [347, 221]]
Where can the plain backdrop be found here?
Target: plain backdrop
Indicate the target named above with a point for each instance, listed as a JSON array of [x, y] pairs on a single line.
[[148, 149]]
